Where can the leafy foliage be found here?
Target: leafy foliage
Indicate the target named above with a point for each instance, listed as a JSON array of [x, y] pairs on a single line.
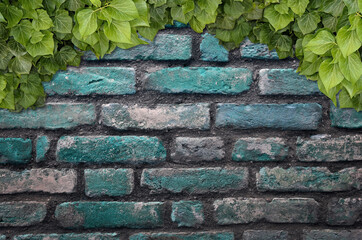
[[40, 37]]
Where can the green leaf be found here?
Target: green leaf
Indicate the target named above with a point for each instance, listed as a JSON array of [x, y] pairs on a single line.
[[43, 22], [21, 64], [96, 3], [87, 20], [12, 14], [277, 20], [102, 46], [321, 43], [74, 5], [352, 6], [36, 37], [359, 30], [298, 6], [308, 22], [348, 41], [330, 74], [63, 23], [334, 7], [360, 5], [118, 31], [22, 32], [122, 10], [9, 101], [31, 4], [2, 19], [65, 56], [351, 67], [143, 12], [310, 68], [44, 47]]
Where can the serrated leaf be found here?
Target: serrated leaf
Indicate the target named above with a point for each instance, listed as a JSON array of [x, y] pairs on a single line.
[[63, 23], [118, 31], [87, 20], [321, 43], [277, 20], [308, 22], [330, 74], [44, 47], [348, 41]]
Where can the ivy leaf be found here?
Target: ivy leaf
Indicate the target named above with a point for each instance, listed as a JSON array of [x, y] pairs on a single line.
[[12, 14], [63, 23], [2, 19], [96, 3], [334, 7], [65, 56], [359, 30], [348, 41], [43, 22], [330, 74], [21, 64], [31, 4], [122, 10], [308, 22], [87, 20], [22, 32], [298, 6], [344, 99], [277, 20], [360, 5], [36, 37], [142, 9], [9, 101], [352, 6], [351, 67], [118, 31], [44, 47], [74, 5], [321, 43]]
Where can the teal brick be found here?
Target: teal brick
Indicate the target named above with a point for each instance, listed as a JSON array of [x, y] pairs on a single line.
[[344, 211], [93, 80], [177, 24], [285, 82], [109, 214], [195, 180], [2, 237], [329, 234], [42, 148], [345, 118], [108, 181], [257, 51], [188, 213], [51, 116], [211, 50], [265, 235], [206, 80], [258, 149], [159, 117], [163, 47], [110, 149], [184, 236], [15, 150], [297, 116], [20, 214], [70, 236]]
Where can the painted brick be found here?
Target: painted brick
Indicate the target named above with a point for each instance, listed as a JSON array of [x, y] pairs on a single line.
[[298, 116], [324, 148], [345, 118], [38, 180], [93, 80], [194, 150], [51, 116], [187, 213], [279, 210], [258, 149], [184, 236], [257, 51], [15, 150], [306, 179], [69, 236], [163, 116], [163, 47], [211, 50], [177, 24], [285, 82], [20, 214], [109, 214], [329, 234], [110, 149], [206, 80], [265, 235], [42, 148], [344, 211], [108, 181]]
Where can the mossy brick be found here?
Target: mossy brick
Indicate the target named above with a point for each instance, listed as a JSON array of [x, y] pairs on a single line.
[[163, 47], [89, 215], [285, 82], [211, 50], [92, 80], [205, 80], [15, 150], [194, 180], [297, 116], [187, 213], [259, 149], [265, 235], [324, 148], [38, 180], [110, 149], [20, 214], [329, 234], [108, 182], [257, 51], [184, 236], [42, 147], [345, 117], [51, 116], [344, 211], [69, 236], [160, 117]]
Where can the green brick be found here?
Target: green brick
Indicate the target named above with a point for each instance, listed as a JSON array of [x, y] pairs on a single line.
[[20, 214], [93, 80], [184, 236], [265, 235], [42, 148], [108, 181], [109, 214], [69, 236], [51, 116], [194, 180], [329, 234], [211, 50], [258, 149], [110, 149], [344, 211], [206, 80], [15, 150], [345, 118], [257, 51], [187, 213]]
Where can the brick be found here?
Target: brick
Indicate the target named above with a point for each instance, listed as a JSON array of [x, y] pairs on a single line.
[[345, 118], [163, 47], [110, 149], [177, 24], [306, 179], [108, 181], [109, 214], [51, 116], [324, 148], [38, 180], [259, 149], [329, 234], [15, 150], [69, 236], [297, 116], [194, 150], [344, 211], [162, 116], [184, 236], [265, 235], [2, 237], [20, 214], [211, 50], [285, 82], [187, 213], [206, 80], [257, 51], [92, 80], [195, 180], [42, 148]]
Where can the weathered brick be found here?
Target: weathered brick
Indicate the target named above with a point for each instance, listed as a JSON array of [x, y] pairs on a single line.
[[38, 180], [19, 214], [187, 213], [51, 116], [163, 47], [184, 236], [177, 24], [306, 179], [15, 150], [108, 181], [163, 116], [69, 236], [206, 80], [329, 234], [265, 235], [93, 80], [345, 118], [344, 211], [324, 148], [211, 50], [194, 150], [109, 149], [298, 116], [195, 180], [257, 51], [258, 149], [109, 214], [285, 82], [42, 148]]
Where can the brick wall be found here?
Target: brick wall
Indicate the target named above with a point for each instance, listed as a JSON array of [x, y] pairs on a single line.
[[181, 140]]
